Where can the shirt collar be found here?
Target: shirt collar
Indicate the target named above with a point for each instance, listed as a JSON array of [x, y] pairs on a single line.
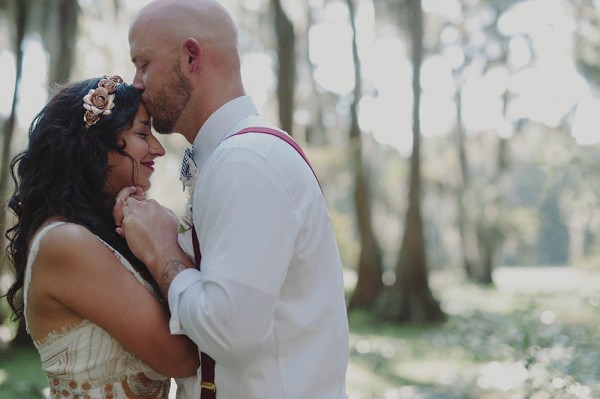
[[219, 125]]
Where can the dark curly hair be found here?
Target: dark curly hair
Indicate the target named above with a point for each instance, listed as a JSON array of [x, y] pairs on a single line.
[[63, 171]]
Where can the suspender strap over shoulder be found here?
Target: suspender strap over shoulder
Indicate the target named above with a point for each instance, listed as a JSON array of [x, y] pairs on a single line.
[[274, 132], [208, 389]]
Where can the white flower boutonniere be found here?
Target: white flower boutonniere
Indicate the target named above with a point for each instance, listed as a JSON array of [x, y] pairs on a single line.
[[188, 178]]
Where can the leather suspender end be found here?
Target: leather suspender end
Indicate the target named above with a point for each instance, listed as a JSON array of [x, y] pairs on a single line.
[[208, 385]]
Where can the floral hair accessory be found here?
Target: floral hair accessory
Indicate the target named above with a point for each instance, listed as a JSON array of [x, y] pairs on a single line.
[[100, 101]]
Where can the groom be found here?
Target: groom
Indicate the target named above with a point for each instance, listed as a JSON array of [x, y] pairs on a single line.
[[265, 300]]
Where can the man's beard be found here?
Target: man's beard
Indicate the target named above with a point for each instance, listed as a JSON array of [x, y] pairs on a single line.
[[168, 103]]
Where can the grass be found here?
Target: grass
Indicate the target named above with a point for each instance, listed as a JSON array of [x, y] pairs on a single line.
[[505, 342], [533, 343], [21, 375]]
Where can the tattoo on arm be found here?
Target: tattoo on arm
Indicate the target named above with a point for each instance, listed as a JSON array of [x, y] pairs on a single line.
[[169, 271]]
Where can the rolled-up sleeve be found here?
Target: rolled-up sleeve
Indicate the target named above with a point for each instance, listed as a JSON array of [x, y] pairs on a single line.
[[228, 320], [180, 284]]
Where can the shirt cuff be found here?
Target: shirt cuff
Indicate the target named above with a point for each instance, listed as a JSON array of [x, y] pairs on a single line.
[[179, 284]]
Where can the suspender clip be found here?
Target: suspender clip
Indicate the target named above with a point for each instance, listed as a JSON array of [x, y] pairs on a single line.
[[208, 385]]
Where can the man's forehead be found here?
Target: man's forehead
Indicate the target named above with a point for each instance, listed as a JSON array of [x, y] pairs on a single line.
[[141, 41]]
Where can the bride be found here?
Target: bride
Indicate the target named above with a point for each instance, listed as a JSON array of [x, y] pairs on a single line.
[[92, 309]]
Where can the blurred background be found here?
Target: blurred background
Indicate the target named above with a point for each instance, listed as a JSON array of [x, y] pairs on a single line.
[[455, 141]]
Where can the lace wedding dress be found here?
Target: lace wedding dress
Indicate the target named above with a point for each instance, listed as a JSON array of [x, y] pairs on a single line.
[[84, 362]]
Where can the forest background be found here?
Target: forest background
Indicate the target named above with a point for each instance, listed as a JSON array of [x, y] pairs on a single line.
[[455, 142]]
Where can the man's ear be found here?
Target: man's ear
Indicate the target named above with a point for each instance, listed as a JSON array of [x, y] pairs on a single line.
[[193, 51]]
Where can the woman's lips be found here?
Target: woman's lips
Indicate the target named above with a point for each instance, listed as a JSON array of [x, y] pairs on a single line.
[[149, 165]]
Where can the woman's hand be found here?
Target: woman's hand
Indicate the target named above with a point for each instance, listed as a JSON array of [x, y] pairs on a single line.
[[121, 200]]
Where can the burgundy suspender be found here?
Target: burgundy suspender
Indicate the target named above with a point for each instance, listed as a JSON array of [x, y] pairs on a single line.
[[196, 244], [208, 389], [288, 139]]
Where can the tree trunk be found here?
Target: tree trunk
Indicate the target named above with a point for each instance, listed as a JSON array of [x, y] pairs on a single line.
[[315, 131], [21, 11], [60, 38], [9, 125], [488, 242], [286, 75], [370, 264], [461, 190], [369, 284], [489, 228], [414, 301]]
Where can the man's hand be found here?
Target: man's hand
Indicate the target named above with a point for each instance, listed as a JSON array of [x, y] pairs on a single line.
[[135, 192], [151, 233]]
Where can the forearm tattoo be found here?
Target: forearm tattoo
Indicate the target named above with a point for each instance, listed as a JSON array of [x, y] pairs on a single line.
[[169, 271]]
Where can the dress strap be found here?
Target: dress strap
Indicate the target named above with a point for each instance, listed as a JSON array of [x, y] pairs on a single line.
[[127, 265], [35, 247]]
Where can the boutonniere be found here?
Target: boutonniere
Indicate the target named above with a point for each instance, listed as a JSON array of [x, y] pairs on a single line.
[[188, 178]]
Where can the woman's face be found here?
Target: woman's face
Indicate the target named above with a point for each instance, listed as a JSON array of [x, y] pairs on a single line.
[[142, 146]]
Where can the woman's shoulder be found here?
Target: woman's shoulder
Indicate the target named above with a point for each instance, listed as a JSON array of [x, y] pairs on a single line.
[[68, 248], [60, 234], [60, 240]]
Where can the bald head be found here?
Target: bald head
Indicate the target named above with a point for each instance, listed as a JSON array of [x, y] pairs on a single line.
[[204, 20], [185, 46]]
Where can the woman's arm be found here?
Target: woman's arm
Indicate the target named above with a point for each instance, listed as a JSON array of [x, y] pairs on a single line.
[[78, 276]]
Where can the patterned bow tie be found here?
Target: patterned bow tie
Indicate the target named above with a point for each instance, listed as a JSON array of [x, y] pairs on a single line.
[[188, 167]]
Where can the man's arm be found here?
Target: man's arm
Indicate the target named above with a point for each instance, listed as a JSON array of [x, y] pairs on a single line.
[[169, 272], [151, 233]]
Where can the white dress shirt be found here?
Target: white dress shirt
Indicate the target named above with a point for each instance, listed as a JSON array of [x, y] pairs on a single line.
[[268, 305]]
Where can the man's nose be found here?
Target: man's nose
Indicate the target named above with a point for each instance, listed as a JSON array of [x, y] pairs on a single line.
[[137, 81]]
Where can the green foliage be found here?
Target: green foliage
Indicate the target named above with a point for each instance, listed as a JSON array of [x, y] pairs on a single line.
[[21, 374], [496, 344], [20, 390], [590, 71]]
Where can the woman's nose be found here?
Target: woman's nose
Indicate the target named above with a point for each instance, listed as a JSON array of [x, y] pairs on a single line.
[[157, 148]]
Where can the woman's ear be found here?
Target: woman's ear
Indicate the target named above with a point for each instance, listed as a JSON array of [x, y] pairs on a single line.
[[193, 52]]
